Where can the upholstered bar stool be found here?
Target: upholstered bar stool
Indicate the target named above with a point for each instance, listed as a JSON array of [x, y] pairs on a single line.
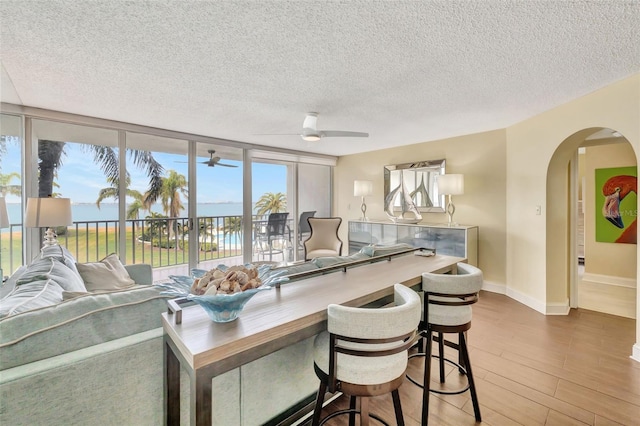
[[447, 309], [364, 353]]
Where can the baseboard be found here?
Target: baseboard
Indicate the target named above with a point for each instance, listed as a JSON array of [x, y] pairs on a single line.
[[558, 308], [636, 352], [526, 300], [609, 280], [608, 294], [494, 288]]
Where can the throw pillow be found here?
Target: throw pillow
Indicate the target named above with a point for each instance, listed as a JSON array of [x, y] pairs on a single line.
[[51, 268], [10, 284], [108, 274], [37, 294]]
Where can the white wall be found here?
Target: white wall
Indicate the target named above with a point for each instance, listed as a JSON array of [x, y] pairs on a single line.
[[537, 150], [480, 157], [514, 170]]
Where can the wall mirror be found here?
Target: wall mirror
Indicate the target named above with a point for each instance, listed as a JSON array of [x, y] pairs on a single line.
[[415, 182]]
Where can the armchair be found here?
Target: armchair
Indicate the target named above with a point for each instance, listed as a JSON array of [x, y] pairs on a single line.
[[324, 240]]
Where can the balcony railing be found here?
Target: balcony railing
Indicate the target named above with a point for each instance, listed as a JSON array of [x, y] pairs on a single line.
[[161, 242]]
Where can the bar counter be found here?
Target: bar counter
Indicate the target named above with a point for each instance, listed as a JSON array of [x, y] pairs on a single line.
[[273, 320]]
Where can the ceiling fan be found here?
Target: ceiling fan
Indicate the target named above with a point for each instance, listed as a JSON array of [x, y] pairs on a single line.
[[311, 133], [213, 161]]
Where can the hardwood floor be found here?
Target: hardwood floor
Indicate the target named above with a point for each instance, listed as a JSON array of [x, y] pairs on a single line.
[[532, 369]]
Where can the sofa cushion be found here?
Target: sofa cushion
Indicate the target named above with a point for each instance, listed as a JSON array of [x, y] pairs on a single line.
[[302, 267], [10, 283], [374, 250], [36, 294], [78, 323], [326, 261], [52, 268], [108, 274]]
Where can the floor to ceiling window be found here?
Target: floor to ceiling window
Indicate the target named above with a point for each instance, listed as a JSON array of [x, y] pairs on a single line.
[[219, 186], [173, 200], [79, 163], [272, 219], [314, 199], [157, 201], [11, 142]]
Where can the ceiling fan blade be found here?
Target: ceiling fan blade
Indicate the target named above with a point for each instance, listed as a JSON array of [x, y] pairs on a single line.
[[340, 133], [277, 134], [225, 165]]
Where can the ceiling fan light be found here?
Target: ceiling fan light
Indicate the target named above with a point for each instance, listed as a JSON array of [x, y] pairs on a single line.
[[311, 138]]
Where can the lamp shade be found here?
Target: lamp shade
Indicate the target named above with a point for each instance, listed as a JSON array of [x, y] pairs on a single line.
[[4, 216], [51, 212], [451, 184], [362, 188]]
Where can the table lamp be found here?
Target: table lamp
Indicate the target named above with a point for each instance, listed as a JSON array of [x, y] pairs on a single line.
[[362, 188], [451, 184], [49, 212], [4, 223]]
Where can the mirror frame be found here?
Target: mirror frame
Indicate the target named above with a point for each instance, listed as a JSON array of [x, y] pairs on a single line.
[[416, 172]]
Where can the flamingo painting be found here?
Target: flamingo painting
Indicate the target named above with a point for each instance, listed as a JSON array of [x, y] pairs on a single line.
[[614, 191]]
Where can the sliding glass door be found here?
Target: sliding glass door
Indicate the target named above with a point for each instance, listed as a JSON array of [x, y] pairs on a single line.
[[157, 202], [314, 199], [218, 204], [273, 217]]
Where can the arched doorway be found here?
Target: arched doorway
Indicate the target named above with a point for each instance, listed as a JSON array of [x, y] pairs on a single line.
[[611, 283]]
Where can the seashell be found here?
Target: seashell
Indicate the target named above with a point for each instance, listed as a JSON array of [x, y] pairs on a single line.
[[211, 291], [217, 273], [242, 277], [236, 288], [216, 283], [225, 285], [204, 282]]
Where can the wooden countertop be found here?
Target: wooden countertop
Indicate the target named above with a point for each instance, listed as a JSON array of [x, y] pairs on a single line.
[[280, 317]]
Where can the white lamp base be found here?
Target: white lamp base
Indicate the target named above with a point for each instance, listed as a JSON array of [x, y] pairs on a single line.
[[363, 208], [451, 209], [50, 238]]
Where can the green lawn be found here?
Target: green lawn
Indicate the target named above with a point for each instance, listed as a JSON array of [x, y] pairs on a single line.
[[95, 244]]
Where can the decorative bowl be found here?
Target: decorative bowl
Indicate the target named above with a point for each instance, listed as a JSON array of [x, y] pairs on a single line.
[[222, 307]]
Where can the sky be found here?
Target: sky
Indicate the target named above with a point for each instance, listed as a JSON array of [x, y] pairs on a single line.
[[81, 179]]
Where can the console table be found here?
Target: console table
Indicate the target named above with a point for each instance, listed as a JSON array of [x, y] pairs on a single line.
[[461, 240], [271, 321]]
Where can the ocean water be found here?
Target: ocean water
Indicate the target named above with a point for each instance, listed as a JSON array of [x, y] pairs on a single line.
[[109, 211]]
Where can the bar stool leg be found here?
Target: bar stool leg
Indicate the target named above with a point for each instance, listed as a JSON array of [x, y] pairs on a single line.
[[317, 411], [472, 385], [441, 354], [397, 407], [352, 415], [364, 411], [427, 378]]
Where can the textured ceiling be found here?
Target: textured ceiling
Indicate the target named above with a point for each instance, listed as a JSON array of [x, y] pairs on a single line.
[[404, 71]]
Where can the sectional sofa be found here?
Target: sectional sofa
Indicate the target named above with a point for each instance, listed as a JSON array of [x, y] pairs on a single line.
[[81, 354], [72, 352]]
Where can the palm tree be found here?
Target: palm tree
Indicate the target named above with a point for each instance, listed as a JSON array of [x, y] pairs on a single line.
[[233, 225], [6, 187], [172, 186], [271, 203], [113, 191], [50, 155]]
